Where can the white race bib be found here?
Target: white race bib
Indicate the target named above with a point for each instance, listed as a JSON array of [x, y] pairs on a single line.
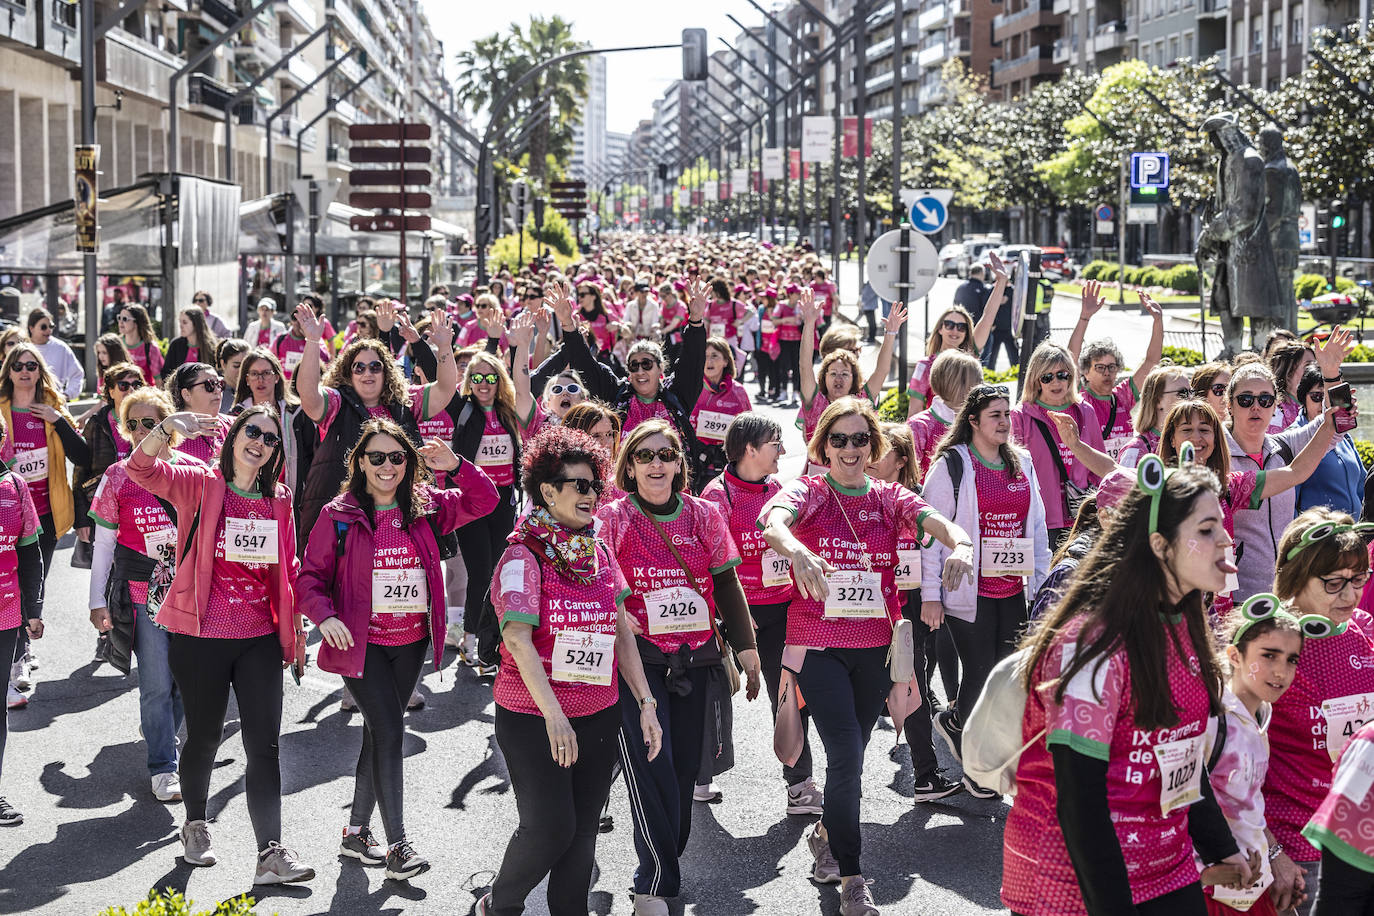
[[854, 593], [1115, 444], [580, 657], [1242, 900], [768, 327], [292, 360], [718, 329], [495, 449], [250, 540], [1232, 579], [676, 609], [1344, 717], [777, 569], [908, 570], [160, 543], [711, 424], [32, 466], [399, 591], [1007, 557], [1180, 772]]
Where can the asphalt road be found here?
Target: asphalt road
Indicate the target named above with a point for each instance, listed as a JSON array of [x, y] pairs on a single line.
[[93, 835]]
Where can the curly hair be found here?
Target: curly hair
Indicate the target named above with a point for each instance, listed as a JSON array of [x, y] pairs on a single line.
[[554, 449], [340, 371]]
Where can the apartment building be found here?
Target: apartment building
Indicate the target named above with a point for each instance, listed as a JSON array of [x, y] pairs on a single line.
[[134, 63], [589, 133]]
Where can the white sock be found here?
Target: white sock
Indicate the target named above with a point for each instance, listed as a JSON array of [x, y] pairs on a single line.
[[352, 830], [455, 615]]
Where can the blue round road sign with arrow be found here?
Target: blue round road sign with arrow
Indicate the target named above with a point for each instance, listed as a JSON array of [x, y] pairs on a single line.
[[928, 214]]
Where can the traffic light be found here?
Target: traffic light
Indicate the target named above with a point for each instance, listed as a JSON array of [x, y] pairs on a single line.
[[694, 55], [1337, 214], [1323, 226]]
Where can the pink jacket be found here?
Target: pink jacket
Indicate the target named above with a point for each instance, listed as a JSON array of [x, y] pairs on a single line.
[[341, 586], [1026, 434], [195, 488]]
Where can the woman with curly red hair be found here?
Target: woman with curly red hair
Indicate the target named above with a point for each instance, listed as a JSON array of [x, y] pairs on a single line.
[[565, 645]]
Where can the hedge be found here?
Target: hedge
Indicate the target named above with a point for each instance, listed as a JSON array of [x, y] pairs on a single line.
[[1094, 270], [1183, 356], [893, 405], [172, 903]]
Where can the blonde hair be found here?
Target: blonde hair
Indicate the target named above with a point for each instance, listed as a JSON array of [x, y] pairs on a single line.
[[505, 389], [1046, 357], [148, 396], [952, 370]]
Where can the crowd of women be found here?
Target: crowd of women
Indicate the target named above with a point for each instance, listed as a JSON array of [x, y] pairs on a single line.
[[561, 475]]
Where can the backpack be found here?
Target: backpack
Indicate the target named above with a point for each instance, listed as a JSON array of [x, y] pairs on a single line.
[[992, 732]]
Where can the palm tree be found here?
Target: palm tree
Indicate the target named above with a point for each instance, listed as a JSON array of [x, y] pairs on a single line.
[[495, 62]]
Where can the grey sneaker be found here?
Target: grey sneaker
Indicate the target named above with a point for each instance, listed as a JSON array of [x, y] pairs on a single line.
[[279, 865], [855, 899], [825, 870], [195, 841], [9, 815], [805, 798], [404, 863], [650, 905], [362, 846]]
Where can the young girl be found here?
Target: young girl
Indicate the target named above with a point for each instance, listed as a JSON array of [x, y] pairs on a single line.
[[136, 332], [1262, 652], [109, 349], [955, 330], [951, 377]]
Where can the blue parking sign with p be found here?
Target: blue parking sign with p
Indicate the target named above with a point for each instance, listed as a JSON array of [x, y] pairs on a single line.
[[1149, 170]]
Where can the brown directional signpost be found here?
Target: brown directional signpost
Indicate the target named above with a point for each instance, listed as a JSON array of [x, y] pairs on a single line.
[[398, 147], [570, 200]]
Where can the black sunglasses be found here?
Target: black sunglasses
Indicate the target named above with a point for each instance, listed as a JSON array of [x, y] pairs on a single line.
[[271, 440], [1266, 400], [989, 391], [955, 325], [373, 368], [641, 365], [29, 366], [127, 384], [1063, 375], [376, 458], [43, 327], [842, 440], [148, 423], [211, 385], [1316, 394], [1218, 389], [582, 485], [666, 454]]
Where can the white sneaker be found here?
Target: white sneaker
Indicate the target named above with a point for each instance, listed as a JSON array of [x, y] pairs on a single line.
[[195, 841], [167, 787], [453, 636], [416, 701], [650, 905], [14, 699], [707, 793], [19, 676], [467, 650]]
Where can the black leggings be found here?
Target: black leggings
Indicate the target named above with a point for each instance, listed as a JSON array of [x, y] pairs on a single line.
[[204, 670], [560, 810], [8, 639], [983, 643], [389, 675], [764, 364], [789, 366], [917, 725], [940, 652], [1186, 901], [1342, 889], [770, 621], [481, 541]]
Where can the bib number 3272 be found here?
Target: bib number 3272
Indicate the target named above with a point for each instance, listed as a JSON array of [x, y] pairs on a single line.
[[854, 593], [250, 540], [677, 609], [583, 658], [399, 591], [1180, 773]]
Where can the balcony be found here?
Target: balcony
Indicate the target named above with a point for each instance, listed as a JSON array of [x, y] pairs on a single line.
[[344, 111], [259, 45], [1110, 36], [285, 135], [125, 62], [932, 95], [1213, 8], [929, 57], [299, 71], [19, 24], [1063, 50], [959, 9], [1038, 61], [933, 18], [209, 94], [958, 47], [878, 83], [879, 49], [1037, 14], [1062, 6], [219, 12], [299, 11], [58, 31]]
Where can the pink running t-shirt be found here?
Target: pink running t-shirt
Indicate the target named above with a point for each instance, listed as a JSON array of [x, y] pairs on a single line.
[[1342, 825], [742, 503], [240, 605], [394, 548], [1003, 507], [18, 527]]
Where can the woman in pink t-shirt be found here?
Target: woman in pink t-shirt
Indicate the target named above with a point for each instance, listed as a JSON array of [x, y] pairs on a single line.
[[679, 561], [840, 533], [372, 580], [952, 375], [722, 399], [1341, 829], [955, 329], [1323, 567], [231, 610], [1112, 790], [603, 425], [567, 652], [136, 330], [196, 387], [21, 594]]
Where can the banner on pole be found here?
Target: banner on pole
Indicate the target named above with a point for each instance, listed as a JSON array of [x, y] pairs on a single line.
[[849, 147], [818, 136], [87, 202], [772, 164], [684, 197], [739, 179], [710, 191]]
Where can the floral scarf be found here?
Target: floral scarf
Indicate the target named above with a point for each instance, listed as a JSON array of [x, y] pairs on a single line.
[[572, 553]]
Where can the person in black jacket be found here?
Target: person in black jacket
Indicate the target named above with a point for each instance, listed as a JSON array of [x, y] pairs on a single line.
[[645, 393], [103, 439], [195, 344]]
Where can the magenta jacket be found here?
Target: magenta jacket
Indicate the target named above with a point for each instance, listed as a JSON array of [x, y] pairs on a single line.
[[341, 586], [192, 488], [1026, 434]]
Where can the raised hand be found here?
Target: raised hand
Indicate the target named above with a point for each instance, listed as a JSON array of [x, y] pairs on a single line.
[[896, 317], [1334, 350], [999, 269], [521, 330], [1148, 303], [543, 320], [310, 323], [1092, 298], [386, 315], [490, 319], [438, 455], [696, 299], [558, 298], [808, 308], [407, 330], [440, 330]]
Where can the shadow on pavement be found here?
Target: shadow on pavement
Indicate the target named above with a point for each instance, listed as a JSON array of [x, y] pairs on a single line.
[[493, 765]]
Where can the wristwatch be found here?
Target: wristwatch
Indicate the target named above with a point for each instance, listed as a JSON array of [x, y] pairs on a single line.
[[1275, 851], [648, 701]]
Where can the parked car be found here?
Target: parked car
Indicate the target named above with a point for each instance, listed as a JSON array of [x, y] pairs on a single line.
[[954, 260]]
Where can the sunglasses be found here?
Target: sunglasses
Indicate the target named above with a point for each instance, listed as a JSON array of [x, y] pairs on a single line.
[[843, 440], [373, 368], [1063, 375], [126, 385], [646, 455], [582, 485], [29, 366], [1180, 392], [211, 385], [199, 299], [1266, 400], [147, 423], [1219, 389], [484, 378], [570, 389], [989, 391], [125, 318], [640, 365], [1316, 395], [271, 440], [43, 327], [376, 458], [954, 325], [535, 298]]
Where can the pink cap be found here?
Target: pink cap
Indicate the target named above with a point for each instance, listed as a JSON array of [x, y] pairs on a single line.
[[1114, 487]]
